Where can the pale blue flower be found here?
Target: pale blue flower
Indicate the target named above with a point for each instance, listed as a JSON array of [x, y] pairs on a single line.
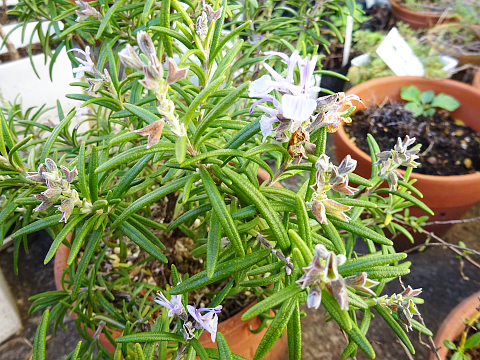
[[321, 273], [209, 321], [295, 107], [86, 66], [174, 306]]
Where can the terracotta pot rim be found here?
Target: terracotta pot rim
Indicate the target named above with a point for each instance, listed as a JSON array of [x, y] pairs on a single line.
[[414, 13], [414, 79], [453, 324]]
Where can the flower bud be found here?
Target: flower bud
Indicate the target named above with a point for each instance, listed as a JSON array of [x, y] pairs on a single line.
[[211, 14], [340, 293], [145, 44], [404, 317], [310, 148], [321, 251], [326, 103], [70, 175], [130, 58], [318, 210], [175, 74], [347, 165], [202, 25], [66, 207], [323, 163]]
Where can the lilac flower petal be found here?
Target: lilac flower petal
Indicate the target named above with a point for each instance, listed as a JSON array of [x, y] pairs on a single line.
[[262, 100], [266, 125], [331, 271], [269, 111], [291, 62], [298, 108], [318, 210], [314, 298], [276, 76], [340, 293], [261, 87]]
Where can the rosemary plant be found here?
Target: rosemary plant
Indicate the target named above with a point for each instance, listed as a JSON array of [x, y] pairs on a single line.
[[186, 113]]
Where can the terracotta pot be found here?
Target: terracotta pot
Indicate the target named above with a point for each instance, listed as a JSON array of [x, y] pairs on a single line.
[[476, 80], [448, 196], [237, 332], [453, 325], [468, 59], [463, 59], [418, 20]]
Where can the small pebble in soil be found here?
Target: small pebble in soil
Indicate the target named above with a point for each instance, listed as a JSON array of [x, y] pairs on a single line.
[[448, 146]]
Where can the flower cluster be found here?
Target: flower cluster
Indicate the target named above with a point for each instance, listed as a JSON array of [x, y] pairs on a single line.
[[208, 321], [402, 304], [85, 11], [330, 111], [154, 81], [58, 189], [398, 156], [331, 177], [295, 111], [295, 106], [322, 273], [88, 66]]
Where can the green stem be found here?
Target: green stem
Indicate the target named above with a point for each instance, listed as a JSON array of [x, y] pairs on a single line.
[[468, 324], [319, 150]]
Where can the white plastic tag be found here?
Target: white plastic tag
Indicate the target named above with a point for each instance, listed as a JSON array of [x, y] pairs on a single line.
[[399, 56], [348, 40]]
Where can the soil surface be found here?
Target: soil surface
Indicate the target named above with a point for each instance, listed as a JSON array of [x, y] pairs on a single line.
[[381, 19], [466, 76], [448, 146], [178, 251], [334, 57]]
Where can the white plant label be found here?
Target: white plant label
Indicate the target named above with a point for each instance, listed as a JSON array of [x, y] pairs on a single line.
[[399, 56]]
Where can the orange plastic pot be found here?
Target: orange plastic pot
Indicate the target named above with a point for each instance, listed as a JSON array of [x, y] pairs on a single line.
[[476, 80], [237, 332], [448, 196], [418, 20], [453, 325]]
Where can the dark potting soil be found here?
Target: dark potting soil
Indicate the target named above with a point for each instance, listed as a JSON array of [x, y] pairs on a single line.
[[380, 19], [465, 76], [334, 57], [178, 252], [448, 146], [473, 353]]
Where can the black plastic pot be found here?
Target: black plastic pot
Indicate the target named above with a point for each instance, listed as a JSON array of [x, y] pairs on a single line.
[[333, 83]]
